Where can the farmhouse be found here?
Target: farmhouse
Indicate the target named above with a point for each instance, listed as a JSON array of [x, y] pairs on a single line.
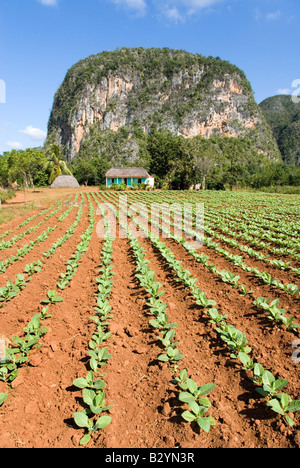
[[129, 176]]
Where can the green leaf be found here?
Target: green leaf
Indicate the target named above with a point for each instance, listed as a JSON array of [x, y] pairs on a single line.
[[3, 397], [188, 416], [204, 424], [275, 406], [196, 408], [81, 419], [294, 406], [93, 364], [262, 392], [80, 383], [245, 360], [97, 404], [192, 386], [289, 420], [183, 374], [206, 389], [88, 396], [163, 358], [268, 378], [85, 439], [102, 422], [204, 401], [58, 299], [186, 397], [98, 384], [285, 400], [178, 357], [280, 384]]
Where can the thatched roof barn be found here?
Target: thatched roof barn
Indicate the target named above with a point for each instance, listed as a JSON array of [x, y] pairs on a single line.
[[65, 181]]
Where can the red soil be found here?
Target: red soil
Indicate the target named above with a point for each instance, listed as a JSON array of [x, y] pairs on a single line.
[[146, 412]]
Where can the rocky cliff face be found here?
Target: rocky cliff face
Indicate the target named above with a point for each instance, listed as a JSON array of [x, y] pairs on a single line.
[[185, 93]]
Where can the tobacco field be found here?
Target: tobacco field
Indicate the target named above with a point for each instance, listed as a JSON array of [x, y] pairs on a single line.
[[116, 337]]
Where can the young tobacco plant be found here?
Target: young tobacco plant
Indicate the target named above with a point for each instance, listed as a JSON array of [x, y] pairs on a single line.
[[196, 413], [283, 405], [216, 318], [196, 398], [83, 420], [98, 357], [162, 323], [52, 298], [18, 354], [11, 290], [89, 382], [33, 267], [235, 340], [270, 385], [275, 313], [172, 356]]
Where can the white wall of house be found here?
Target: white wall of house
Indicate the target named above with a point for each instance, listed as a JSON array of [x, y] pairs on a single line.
[[150, 181]]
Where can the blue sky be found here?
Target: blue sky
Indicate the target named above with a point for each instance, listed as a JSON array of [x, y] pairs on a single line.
[[41, 39]]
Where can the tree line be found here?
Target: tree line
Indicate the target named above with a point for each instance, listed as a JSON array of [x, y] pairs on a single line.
[[176, 163]]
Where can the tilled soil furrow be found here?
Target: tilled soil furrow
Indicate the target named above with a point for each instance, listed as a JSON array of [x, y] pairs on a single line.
[[43, 391], [25, 241], [21, 307], [137, 384], [235, 402], [272, 346]]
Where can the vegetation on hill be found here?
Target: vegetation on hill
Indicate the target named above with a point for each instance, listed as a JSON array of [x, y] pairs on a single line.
[[154, 68], [283, 115]]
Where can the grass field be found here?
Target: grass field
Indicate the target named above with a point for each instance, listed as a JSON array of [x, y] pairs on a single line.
[[120, 339]]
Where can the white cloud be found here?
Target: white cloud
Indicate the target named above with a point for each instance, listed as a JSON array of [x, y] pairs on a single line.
[[174, 10], [284, 91], [34, 133], [48, 2], [2, 92], [197, 4], [180, 10], [173, 14], [273, 16], [14, 144], [139, 6], [257, 14]]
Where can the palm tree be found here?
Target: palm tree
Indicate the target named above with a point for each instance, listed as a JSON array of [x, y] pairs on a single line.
[[56, 164]]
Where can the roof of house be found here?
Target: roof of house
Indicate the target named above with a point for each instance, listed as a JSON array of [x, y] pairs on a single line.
[[139, 172], [65, 181]]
